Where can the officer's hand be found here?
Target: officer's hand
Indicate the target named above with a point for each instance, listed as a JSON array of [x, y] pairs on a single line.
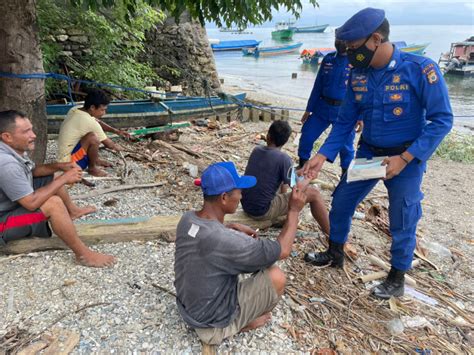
[[359, 126], [312, 167], [394, 165], [72, 176], [298, 196], [305, 117]]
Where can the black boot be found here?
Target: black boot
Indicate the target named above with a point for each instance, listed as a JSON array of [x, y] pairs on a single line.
[[302, 162], [334, 256], [394, 285]]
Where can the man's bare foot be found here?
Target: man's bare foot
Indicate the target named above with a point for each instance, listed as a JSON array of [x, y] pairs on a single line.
[[257, 322], [104, 163], [94, 259], [96, 172], [78, 212]]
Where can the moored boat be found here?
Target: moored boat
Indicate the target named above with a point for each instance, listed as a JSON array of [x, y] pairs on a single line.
[[411, 48], [272, 50], [460, 59], [310, 29], [234, 45], [147, 113], [283, 31], [314, 55]]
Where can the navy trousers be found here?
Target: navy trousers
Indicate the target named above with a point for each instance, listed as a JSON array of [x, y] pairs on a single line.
[[404, 193]]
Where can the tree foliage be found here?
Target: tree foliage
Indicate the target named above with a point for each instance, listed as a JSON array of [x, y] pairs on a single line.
[[116, 39], [228, 12]]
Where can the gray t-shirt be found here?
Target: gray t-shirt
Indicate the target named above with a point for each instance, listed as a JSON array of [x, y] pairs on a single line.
[[16, 178], [270, 166], [208, 259]]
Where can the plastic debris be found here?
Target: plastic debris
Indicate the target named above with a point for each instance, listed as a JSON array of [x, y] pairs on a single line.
[[395, 326], [317, 299], [409, 291], [436, 248], [415, 322], [358, 215]]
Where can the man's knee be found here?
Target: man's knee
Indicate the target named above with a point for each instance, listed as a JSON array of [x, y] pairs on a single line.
[[313, 195], [90, 139], [52, 205], [278, 278]]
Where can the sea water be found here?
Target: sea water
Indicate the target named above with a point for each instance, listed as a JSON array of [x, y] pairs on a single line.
[[274, 73]]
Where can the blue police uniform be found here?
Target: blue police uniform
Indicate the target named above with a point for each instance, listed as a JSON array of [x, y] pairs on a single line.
[[404, 106], [324, 102]]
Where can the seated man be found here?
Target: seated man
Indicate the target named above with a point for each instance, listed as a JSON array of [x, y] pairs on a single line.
[[210, 256], [82, 131], [272, 168], [30, 196]]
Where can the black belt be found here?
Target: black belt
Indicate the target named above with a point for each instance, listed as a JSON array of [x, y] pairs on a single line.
[[331, 102], [379, 151]]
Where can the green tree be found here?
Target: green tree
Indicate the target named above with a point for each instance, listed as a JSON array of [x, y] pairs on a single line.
[[21, 52]]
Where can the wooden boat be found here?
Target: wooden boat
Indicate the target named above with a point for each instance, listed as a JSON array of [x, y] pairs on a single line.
[[314, 55], [286, 34], [283, 31], [234, 45], [148, 113], [460, 59], [411, 48], [310, 29], [273, 50]]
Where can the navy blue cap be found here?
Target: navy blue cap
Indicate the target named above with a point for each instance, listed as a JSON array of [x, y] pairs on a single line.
[[223, 177], [361, 25]]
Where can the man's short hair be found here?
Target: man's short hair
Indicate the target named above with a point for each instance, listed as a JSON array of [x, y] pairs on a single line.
[[211, 198], [96, 97], [384, 30], [7, 119], [279, 132]]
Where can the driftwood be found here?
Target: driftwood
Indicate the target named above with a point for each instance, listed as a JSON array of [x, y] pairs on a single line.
[[159, 227], [96, 193]]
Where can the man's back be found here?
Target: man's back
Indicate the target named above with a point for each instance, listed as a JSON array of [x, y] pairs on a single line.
[[270, 166], [208, 259], [75, 126]]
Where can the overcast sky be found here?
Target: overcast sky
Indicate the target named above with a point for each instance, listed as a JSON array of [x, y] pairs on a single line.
[[399, 12]]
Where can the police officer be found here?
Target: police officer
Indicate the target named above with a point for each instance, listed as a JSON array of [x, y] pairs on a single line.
[[323, 105], [404, 103]]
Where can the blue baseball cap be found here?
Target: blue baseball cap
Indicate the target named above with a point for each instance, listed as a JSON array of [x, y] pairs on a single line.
[[223, 177], [361, 25]]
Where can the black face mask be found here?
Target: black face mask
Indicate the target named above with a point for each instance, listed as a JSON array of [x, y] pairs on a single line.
[[361, 56], [340, 47]]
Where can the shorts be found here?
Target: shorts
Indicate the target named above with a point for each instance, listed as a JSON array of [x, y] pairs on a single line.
[[256, 296], [278, 207], [22, 223], [79, 156]]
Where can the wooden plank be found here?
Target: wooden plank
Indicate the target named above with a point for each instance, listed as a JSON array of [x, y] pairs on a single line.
[[33, 349], [274, 116], [285, 114], [64, 343], [246, 114], [208, 349], [254, 115], [267, 116], [159, 227]]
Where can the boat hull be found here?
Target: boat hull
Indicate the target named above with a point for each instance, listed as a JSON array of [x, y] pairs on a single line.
[[311, 29], [147, 113], [273, 51], [283, 34], [234, 45]]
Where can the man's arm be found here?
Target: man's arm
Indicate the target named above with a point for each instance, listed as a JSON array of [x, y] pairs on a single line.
[[288, 232], [50, 169], [434, 96], [109, 128], [35, 200]]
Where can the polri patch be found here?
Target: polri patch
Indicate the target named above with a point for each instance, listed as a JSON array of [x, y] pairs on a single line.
[[432, 77], [397, 111]]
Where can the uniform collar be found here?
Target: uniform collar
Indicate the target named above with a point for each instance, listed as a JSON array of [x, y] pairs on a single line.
[[395, 60]]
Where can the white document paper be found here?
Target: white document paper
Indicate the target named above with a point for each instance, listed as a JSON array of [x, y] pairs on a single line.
[[366, 169]]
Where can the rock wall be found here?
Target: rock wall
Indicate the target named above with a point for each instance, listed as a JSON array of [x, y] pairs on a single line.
[[72, 41], [181, 54]]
